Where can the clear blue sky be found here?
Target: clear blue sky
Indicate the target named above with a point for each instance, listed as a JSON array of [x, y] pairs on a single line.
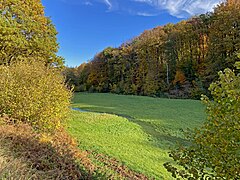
[[86, 27]]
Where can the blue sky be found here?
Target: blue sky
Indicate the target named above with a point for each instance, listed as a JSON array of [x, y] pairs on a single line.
[[86, 27]]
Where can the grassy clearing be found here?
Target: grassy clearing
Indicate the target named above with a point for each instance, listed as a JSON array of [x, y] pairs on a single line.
[[143, 142], [164, 119]]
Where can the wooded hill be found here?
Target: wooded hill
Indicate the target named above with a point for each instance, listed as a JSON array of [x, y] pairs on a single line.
[[176, 60]]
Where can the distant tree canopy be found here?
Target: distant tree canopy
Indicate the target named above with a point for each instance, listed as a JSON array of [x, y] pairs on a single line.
[[179, 60], [25, 33]]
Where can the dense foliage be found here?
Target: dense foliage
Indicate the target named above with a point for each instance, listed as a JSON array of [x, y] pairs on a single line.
[[25, 33], [178, 60], [33, 93], [215, 150], [32, 90]]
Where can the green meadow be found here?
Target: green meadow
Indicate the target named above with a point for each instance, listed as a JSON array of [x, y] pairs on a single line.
[[137, 131]]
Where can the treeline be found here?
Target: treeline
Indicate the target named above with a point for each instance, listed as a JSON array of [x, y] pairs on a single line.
[[176, 60]]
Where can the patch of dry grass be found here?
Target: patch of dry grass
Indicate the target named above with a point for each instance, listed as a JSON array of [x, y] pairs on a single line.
[[26, 154], [14, 168]]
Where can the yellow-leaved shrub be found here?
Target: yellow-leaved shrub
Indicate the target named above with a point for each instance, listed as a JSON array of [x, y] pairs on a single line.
[[33, 93]]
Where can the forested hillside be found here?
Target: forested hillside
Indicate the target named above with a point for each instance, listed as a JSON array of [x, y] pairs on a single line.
[[175, 60]]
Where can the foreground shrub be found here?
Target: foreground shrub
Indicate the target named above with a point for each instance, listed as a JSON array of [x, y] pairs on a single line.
[[34, 94], [215, 149]]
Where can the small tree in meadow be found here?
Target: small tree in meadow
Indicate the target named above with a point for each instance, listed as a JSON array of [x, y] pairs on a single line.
[[215, 149]]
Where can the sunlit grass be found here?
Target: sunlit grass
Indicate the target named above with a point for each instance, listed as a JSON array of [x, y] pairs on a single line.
[[116, 136], [141, 141]]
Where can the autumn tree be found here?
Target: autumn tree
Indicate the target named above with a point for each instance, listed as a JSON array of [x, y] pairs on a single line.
[[154, 62], [224, 39], [72, 77], [32, 89], [25, 33]]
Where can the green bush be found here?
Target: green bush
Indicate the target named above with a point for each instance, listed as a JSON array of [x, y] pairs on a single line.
[[215, 149], [35, 94]]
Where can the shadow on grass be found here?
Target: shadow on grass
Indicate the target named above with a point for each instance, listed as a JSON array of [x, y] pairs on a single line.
[[163, 140], [49, 161], [59, 157]]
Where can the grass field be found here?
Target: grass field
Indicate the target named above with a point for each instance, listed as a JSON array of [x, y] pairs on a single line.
[[141, 140]]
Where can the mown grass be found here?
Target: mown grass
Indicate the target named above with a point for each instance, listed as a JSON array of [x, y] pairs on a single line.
[[143, 140]]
